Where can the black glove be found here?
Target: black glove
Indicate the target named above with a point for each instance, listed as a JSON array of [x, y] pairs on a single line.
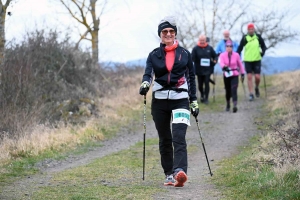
[[242, 78], [194, 108], [144, 88], [226, 69]]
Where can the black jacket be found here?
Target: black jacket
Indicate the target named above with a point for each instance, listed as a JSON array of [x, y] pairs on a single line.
[[207, 52], [183, 66]]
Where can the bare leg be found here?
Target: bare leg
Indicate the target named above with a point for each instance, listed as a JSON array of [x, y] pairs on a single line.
[[250, 84], [257, 80]]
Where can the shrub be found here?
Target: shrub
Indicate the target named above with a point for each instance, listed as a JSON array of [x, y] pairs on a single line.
[[44, 79]]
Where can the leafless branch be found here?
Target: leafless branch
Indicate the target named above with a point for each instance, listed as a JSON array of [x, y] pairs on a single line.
[[271, 25], [7, 3], [83, 36], [103, 7], [71, 12], [84, 9]]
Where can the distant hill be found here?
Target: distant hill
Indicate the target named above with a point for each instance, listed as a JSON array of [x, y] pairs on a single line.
[[139, 62], [271, 65]]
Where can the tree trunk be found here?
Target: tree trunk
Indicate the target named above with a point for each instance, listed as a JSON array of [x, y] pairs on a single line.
[[95, 46], [203, 19], [2, 33], [214, 23], [95, 32]]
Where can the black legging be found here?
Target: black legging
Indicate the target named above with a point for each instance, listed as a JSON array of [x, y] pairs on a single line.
[[203, 79], [231, 86], [172, 143]]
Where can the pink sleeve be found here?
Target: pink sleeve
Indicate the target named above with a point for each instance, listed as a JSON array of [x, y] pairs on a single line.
[[240, 64], [222, 64]]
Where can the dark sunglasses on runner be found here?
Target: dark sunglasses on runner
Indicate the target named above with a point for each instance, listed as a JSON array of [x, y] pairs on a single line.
[[229, 46], [165, 32]]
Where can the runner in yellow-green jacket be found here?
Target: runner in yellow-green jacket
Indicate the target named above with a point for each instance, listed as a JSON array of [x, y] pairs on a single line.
[[254, 49]]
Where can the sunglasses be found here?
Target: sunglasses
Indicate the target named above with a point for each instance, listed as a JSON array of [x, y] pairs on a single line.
[[165, 32], [229, 46]]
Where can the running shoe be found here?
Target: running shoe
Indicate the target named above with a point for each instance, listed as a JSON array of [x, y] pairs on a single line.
[[206, 101], [202, 99], [257, 93], [227, 108], [169, 180], [235, 109], [251, 97], [180, 179]]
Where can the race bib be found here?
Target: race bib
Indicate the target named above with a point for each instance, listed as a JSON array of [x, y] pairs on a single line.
[[205, 62], [181, 116], [228, 74]]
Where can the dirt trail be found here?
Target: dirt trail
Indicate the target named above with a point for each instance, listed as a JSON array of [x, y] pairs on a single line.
[[223, 133]]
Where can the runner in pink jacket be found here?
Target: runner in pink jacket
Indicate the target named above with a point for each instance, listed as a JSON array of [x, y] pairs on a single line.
[[232, 67]]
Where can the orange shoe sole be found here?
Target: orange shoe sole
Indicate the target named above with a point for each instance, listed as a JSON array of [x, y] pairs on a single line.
[[169, 184], [180, 178]]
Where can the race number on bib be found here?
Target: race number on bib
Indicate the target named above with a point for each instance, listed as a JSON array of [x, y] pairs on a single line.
[[205, 62], [228, 74], [181, 116]]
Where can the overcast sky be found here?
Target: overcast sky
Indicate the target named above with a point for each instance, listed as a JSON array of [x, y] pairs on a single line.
[[129, 27]]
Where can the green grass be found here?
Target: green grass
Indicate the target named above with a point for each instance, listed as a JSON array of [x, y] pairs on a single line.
[[241, 177], [214, 106], [116, 176], [24, 166]]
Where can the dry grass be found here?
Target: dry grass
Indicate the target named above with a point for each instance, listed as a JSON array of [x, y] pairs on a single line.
[[284, 84], [115, 109], [31, 144], [125, 97], [281, 144]]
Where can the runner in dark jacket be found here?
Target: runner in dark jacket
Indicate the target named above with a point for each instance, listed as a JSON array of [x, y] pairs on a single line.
[[204, 58], [174, 94], [255, 49]]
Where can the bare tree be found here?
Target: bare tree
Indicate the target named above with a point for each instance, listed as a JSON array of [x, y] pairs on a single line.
[[3, 12], [213, 16], [207, 17], [271, 24], [84, 12]]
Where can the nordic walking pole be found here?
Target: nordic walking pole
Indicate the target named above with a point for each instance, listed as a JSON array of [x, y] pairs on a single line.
[[144, 148], [265, 85], [203, 147], [244, 89], [214, 88]]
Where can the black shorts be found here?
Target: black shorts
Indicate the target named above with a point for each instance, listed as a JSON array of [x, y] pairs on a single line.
[[253, 67]]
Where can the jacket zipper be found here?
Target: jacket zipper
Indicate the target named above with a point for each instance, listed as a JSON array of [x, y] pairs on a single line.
[[169, 73]]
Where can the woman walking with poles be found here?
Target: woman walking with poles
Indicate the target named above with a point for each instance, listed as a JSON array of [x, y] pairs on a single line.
[[232, 67], [174, 95], [204, 58]]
